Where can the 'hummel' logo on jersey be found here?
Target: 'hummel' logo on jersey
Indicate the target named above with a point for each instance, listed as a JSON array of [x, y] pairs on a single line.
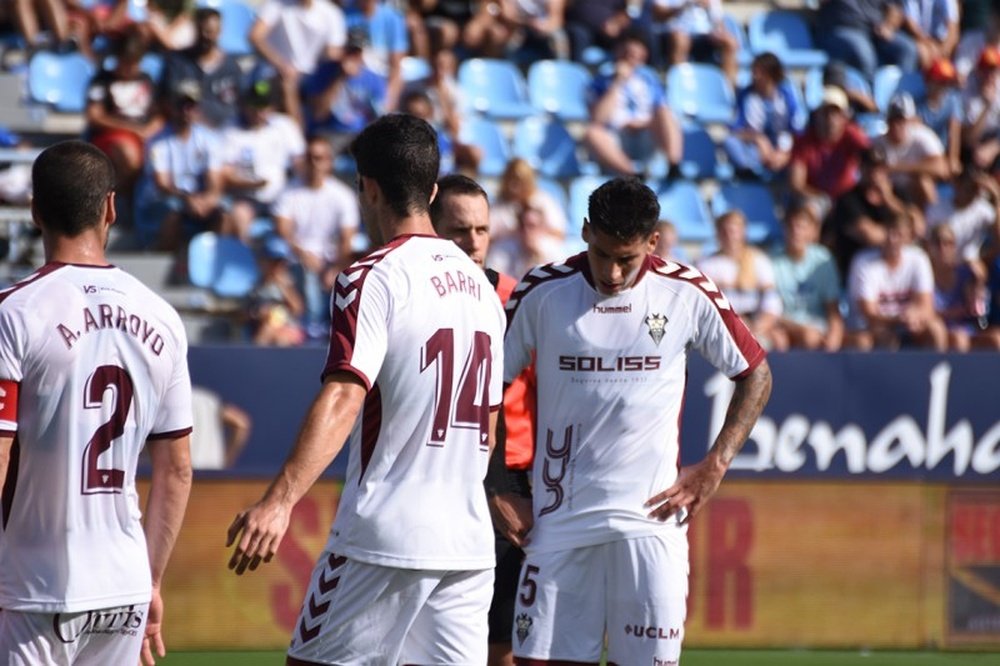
[[657, 323]]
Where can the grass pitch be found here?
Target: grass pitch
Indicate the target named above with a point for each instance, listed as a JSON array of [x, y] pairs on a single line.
[[690, 658]]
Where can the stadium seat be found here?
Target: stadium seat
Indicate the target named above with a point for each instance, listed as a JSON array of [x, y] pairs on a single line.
[[814, 84], [555, 190], [757, 204], [547, 147], [700, 92], [151, 64], [559, 87], [495, 88], [700, 158], [890, 79], [786, 35], [60, 79], [222, 264], [414, 68], [682, 204], [744, 55], [580, 189], [488, 136]]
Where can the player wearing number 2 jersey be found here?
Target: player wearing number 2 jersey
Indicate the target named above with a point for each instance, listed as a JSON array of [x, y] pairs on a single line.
[[93, 366], [610, 330], [413, 377]]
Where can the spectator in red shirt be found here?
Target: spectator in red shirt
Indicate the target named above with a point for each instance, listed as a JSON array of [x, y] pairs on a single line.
[[826, 157]]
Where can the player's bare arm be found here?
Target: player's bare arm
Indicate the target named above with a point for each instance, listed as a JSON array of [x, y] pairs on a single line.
[[510, 510], [168, 498], [324, 431], [697, 483], [5, 445]]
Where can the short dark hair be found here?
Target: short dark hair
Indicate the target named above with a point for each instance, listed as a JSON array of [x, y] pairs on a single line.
[[203, 14], [70, 182], [624, 208], [454, 184], [771, 66], [400, 152]]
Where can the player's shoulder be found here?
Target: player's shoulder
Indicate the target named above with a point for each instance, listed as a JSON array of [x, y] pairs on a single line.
[[544, 278], [687, 278]]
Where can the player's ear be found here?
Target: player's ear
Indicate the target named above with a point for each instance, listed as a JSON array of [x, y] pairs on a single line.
[[585, 231], [110, 214], [434, 193], [652, 241]]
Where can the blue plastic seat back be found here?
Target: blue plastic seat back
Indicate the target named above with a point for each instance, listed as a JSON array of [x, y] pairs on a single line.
[[890, 79], [682, 203], [756, 203], [700, 92], [547, 146], [223, 264], [744, 55], [495, 88], [60, 80], [489, 137], [559, 87], [699, 159], [787, 35]]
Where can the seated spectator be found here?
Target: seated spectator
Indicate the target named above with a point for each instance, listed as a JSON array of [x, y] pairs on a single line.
[[981, 104], [595, 23], [972, 214], [434, 25], [745, 276], [933, 25], [891, 293], [531, 245], [960, 296], [442, 88], [825, 158], [859, 218], [382, 31], [519, 191], [275, 304], [975, 41], [294, 37], [913, 152], [170, 24], [806, 278], [455, 155], [122, 111], [865, 34], [941, 111], [96, 18], [684, 30], [859, 98], [629, 117], [768, 118], [318, 216], [182, 193], [536, 28], [486, 34], [33, 17], [216, 72], [260, 152], [343, 97], [668, 245]]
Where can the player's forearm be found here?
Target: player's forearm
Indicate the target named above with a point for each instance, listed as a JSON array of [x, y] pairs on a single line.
[[749, 397], [323, 434], [5, 445], [168, 497]]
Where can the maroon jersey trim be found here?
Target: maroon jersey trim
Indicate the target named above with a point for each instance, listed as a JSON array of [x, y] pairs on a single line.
[[172, 434], [371, 427], [45, 270]]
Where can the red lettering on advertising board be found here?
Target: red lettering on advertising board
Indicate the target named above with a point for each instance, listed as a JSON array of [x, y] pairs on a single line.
[[975, 533], [730, 580], [286, 599]]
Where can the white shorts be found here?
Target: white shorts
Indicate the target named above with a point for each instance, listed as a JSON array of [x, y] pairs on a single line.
[[635, 590], [89, 638], [363, 614]]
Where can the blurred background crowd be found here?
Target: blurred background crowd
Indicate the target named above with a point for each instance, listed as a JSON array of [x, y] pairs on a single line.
[[832, 165]]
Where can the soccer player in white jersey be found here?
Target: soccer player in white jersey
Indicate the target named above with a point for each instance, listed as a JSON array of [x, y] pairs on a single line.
[[93, 366], [413, 377], [605, 539]]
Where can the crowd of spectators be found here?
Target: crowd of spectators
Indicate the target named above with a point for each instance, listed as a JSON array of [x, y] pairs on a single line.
[[890, 207]]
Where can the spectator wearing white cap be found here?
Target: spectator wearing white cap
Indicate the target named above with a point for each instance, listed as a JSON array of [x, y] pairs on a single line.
[[914, 153]]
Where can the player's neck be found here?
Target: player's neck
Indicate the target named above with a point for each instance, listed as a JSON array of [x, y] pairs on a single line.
[[87, 249], [411, 224]]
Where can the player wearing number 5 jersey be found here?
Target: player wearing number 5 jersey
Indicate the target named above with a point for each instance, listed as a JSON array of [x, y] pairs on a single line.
[[610, 330], [93, 366], [413, 377]]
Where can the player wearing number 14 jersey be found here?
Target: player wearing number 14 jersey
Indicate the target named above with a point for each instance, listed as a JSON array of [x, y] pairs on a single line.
[[610, 331], [93, 367], [413, 377]]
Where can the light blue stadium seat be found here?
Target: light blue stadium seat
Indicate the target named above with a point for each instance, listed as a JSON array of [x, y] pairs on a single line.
[[414, 68], [744, 55], [756, 203], [237, 18], [700, 158], [786, 35], [222, 264], [559, 87], [681, 203], [60, 79], [547, 147], [495, 88], [580, 189], [151, 64], [890, 79], [700, 92], [489, 137]]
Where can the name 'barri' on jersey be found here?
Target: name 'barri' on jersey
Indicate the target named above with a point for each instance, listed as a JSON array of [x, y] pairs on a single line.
[[459, 283], [103, 317]]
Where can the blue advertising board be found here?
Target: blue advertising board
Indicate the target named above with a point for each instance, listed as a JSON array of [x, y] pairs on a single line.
[[903, 415]]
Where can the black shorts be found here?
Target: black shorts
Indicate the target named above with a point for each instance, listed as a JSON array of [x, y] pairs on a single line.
[[507, 574]]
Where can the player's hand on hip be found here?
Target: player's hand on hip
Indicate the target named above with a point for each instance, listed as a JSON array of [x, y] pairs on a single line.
[[262, 527], [153, 638], [512, 517], [695, 485]]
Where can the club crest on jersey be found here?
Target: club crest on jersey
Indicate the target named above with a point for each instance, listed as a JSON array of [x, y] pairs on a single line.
[[657, 326], [523, 623]]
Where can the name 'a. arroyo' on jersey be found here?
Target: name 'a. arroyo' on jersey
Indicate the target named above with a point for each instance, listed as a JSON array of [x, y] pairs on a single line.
[[611, 374]]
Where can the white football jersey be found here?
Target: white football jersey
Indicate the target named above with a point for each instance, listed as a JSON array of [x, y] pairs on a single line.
[[421, 325], [611, 372], [92, 364]]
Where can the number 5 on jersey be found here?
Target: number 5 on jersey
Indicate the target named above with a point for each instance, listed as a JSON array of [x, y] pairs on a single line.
[[471, 403]]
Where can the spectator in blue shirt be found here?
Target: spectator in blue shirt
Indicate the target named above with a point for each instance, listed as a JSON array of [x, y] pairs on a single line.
[[933, 25], [941, 110], [629, 118], [384, 28], [866, 34], [769, 115]]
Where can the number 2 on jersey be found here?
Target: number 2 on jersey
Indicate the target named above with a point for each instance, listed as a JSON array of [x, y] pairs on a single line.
[[471, 402], [95, 478]]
